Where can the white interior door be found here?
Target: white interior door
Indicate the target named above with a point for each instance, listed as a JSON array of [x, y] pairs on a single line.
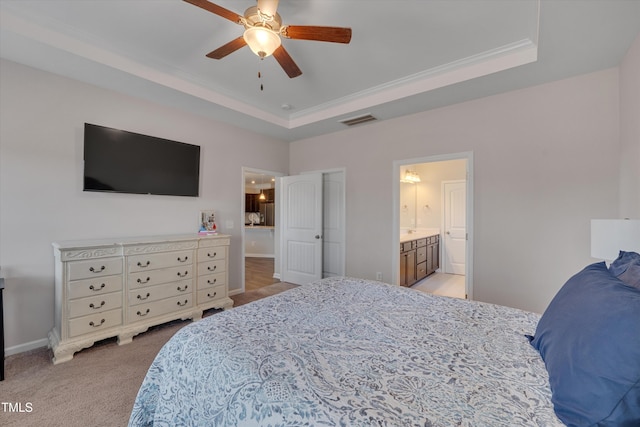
[[301, 207], [455, 228], [333, 238]]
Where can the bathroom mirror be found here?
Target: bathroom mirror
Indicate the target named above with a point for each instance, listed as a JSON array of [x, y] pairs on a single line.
[[408, 204]]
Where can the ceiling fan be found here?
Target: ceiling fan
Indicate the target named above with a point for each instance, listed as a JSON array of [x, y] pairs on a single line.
[[263, 28]]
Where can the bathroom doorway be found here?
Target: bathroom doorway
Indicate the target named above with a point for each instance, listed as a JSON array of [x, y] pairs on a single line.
[[433, 200]]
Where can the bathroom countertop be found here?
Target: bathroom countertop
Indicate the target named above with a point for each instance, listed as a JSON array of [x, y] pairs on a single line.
[[420, 233]]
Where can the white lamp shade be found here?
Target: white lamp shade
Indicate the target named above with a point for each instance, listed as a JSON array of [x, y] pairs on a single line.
[[263, 42], [610, 236]]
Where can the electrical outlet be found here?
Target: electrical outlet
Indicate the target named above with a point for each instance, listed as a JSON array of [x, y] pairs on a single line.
[[378, 276]]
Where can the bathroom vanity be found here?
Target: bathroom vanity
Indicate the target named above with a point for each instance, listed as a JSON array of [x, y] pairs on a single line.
[[419, 256]]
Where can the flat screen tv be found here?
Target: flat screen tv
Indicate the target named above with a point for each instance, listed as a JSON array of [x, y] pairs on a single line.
[[125, 162]]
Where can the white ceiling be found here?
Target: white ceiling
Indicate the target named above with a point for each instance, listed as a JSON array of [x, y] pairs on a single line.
[[405, 56]]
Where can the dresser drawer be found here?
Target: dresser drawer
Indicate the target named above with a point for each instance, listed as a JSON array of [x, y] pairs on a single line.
[[157, 277], [94, 268], [161, 260], [210, 280], [155, 293], [212, 254], [211, 242], [158, 308], [211, 267], [97, 286], [95, 322], [212, 294], [94, 304]]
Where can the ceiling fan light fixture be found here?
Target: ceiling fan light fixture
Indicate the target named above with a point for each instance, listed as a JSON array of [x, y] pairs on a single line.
[[262, 41]]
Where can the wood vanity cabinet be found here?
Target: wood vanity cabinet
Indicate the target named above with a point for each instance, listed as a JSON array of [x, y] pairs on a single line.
[[407, 264], [418, 259], [433, 254]]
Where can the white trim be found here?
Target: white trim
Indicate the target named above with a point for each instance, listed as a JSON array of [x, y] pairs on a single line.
[[28, 346], [501, 58], [395, 206], [492, 61]]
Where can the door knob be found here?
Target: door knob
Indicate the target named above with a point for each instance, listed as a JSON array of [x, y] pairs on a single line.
[[318, 236], [448, 232]]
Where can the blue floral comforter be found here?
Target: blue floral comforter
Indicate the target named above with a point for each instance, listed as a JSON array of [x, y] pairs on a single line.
[[350, 352]]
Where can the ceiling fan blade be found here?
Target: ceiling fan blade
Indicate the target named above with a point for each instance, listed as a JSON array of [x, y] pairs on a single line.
[[268, 7], [285, 61], [218, 10], [311, 32], [228, 48]]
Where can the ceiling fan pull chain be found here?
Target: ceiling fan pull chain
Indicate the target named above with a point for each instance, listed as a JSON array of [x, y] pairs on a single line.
[[260, 74]]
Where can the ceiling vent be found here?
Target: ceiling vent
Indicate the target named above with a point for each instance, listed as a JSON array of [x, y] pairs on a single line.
[[358, 120]]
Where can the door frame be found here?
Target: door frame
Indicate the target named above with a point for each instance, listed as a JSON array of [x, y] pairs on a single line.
[[276, 237], [395, 214]]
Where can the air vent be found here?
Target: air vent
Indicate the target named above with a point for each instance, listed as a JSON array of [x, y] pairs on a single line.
[[358, 120]]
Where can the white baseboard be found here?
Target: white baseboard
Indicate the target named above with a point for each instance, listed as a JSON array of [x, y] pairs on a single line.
[[246, 255], [21, 348]]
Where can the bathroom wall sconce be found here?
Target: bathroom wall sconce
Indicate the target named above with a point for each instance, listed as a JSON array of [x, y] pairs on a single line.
[[410, 176]]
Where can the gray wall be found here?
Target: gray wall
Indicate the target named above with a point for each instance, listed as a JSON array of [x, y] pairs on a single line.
[[546, 161], [41, 197]]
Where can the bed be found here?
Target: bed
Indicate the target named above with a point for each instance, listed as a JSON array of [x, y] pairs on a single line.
[[351, 352]]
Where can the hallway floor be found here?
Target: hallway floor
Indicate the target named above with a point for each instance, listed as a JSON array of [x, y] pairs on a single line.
[[258, 273]]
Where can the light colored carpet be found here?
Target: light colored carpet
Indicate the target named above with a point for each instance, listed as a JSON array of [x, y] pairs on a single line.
[[97, 387]]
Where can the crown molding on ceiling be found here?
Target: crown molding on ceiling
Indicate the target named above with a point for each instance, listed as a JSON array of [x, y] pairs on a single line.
[[489, 62], [492, 61]]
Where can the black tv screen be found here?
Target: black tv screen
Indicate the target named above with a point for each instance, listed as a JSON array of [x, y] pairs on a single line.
[[126, 162]]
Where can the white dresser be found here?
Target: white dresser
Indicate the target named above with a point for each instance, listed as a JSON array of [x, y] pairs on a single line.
[[121, 287]]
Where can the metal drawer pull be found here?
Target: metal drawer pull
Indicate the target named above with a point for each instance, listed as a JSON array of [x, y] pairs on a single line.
[[141, 265], [93, 288], [183, 275], [146, 281], [98, 325], [212, 269], [183, 260], [93, 270], [212, 296], [181, 289], [143, 314], [97, 307], [209, 281], [141, 298], [183, 304], [212, 256]]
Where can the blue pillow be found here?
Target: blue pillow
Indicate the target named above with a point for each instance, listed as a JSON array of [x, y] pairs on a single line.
[[624, 260], [589, 339], [627, 268]]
